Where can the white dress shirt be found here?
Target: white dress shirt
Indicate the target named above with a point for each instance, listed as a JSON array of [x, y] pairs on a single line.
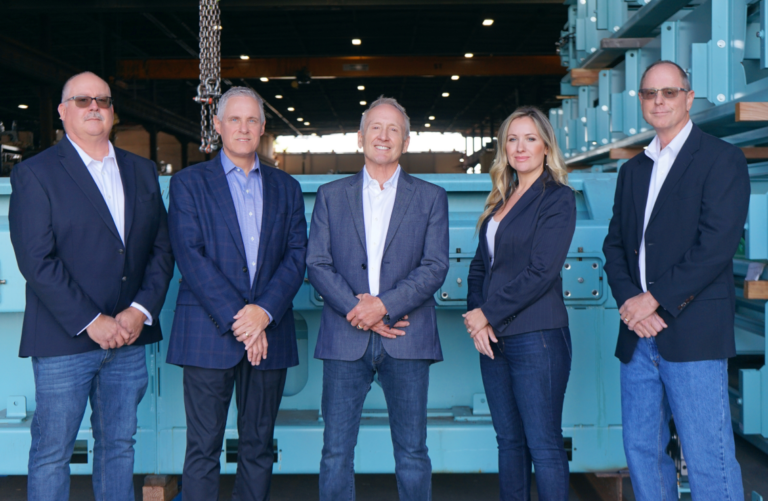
[[662, 163], [106, 175], [377, 211]]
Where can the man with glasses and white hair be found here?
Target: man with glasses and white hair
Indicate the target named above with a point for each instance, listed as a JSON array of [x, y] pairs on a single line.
[[90, 233], [678, 216], [239, 236], [378, 252]]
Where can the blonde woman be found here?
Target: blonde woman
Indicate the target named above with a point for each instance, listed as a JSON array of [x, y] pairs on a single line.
[[516, 315]]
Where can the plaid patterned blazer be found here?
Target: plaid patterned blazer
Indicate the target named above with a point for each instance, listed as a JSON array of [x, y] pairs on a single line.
[[209, 251]]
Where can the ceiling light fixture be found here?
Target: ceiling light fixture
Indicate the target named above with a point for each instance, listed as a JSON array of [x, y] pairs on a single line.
[[306, 123], [363, 103], [427, 125], [299, 119], [244, 57], [356, 41], [469, 55], [455, 77], [23, 106], [291, 108], [487, 22], [361, 87], [445, 94], [279, 96], [264, 79], [431, 117]]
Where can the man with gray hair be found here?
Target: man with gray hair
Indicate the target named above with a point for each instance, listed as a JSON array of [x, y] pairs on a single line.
[[378, 252], [239, 236]]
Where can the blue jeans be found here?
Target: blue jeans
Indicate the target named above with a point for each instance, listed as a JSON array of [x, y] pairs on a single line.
[[345, 385], [525, 387], [115, 381], [696, 394]]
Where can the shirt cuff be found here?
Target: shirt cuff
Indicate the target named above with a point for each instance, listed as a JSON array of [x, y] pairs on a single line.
[[139, 307], [268, 313], [89, 324]]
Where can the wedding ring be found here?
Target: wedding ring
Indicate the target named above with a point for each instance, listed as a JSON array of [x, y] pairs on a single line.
[[359, 326], [247, 334]]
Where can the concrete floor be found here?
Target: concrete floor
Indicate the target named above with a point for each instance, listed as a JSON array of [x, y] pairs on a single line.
[[446, 487]]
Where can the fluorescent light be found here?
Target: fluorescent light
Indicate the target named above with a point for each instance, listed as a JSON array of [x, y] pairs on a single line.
[[468, 55], [291, 108], [487, 22], [244, 57], [431, 117], [279, 96], [264, 79], [23, 106], [445, 94], [361, 87], [306, 123], [299, 119], [455, 77], [427, 125], [363, 103], [356, 41]]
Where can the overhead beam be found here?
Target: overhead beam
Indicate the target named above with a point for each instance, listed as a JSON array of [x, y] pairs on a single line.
[[238, 5], [46, 69], [353, 66]]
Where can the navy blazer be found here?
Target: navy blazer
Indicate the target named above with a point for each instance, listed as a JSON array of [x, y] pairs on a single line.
[[692, 235], [413, 267], [215, 285], [71, 255], [523, 290]]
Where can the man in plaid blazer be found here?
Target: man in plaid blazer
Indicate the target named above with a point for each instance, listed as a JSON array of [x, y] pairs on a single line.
[[239, 234]]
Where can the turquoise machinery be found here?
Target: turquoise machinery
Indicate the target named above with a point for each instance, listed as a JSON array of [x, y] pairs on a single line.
[[606, 45], [461, 438]]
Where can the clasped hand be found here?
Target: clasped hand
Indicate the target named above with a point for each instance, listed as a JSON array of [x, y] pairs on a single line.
[[480, 331], [639, 314], [122, 330], [368, 315], [250, 324]]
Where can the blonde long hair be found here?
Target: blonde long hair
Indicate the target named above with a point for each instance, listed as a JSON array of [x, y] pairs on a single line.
[[503, 175]]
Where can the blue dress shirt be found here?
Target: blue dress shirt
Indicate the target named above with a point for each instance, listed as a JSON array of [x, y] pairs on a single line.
[[248, 197]]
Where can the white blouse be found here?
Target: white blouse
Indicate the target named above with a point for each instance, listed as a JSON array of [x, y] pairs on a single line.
[[490, 236]]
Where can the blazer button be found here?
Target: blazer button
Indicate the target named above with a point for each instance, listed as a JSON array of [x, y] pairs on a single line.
[[120, 251], [245, 269], [364, 266], [246, 300], [125, 278], [635, 251]]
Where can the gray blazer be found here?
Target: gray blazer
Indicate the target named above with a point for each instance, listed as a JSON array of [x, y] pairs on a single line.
[[413, 268]]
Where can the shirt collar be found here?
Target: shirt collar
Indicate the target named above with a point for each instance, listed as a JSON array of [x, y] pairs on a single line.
[[674, 146], [87, 158], [229, 165], [390, 183]]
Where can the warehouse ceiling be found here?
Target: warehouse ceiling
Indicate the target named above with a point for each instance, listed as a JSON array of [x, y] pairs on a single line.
[[408, 50]]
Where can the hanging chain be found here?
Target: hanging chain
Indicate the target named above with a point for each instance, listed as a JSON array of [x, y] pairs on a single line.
[[209, 90]]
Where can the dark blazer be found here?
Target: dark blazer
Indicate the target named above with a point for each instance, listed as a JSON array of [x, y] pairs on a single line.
[[523, 291], [414, 266], [208, 246], [692, 235], [71, 255]]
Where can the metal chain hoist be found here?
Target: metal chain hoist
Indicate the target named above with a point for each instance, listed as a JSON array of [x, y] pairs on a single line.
[[209, 90]]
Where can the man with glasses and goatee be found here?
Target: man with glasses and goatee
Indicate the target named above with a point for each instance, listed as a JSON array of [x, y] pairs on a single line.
[[90, 234], [678, 216]]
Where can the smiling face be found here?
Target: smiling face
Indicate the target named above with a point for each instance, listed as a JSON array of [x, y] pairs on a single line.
[[382, 140], [666, 115], [241, 127], [89, 123], [525, 148]]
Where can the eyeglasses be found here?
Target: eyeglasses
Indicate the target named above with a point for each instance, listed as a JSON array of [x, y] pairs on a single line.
[[85, 101], [666, 92]]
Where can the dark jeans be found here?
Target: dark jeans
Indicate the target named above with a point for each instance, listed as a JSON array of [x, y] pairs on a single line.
[[525, 386], [115, 382], [207, 393], [345, 385]]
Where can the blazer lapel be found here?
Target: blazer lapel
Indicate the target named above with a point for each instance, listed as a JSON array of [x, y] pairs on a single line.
[[640, 185], [355, 199], [681, 164], [529, 196], [80, 174], [217, 183], [128, 177], [268, 211], [405, 191]]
